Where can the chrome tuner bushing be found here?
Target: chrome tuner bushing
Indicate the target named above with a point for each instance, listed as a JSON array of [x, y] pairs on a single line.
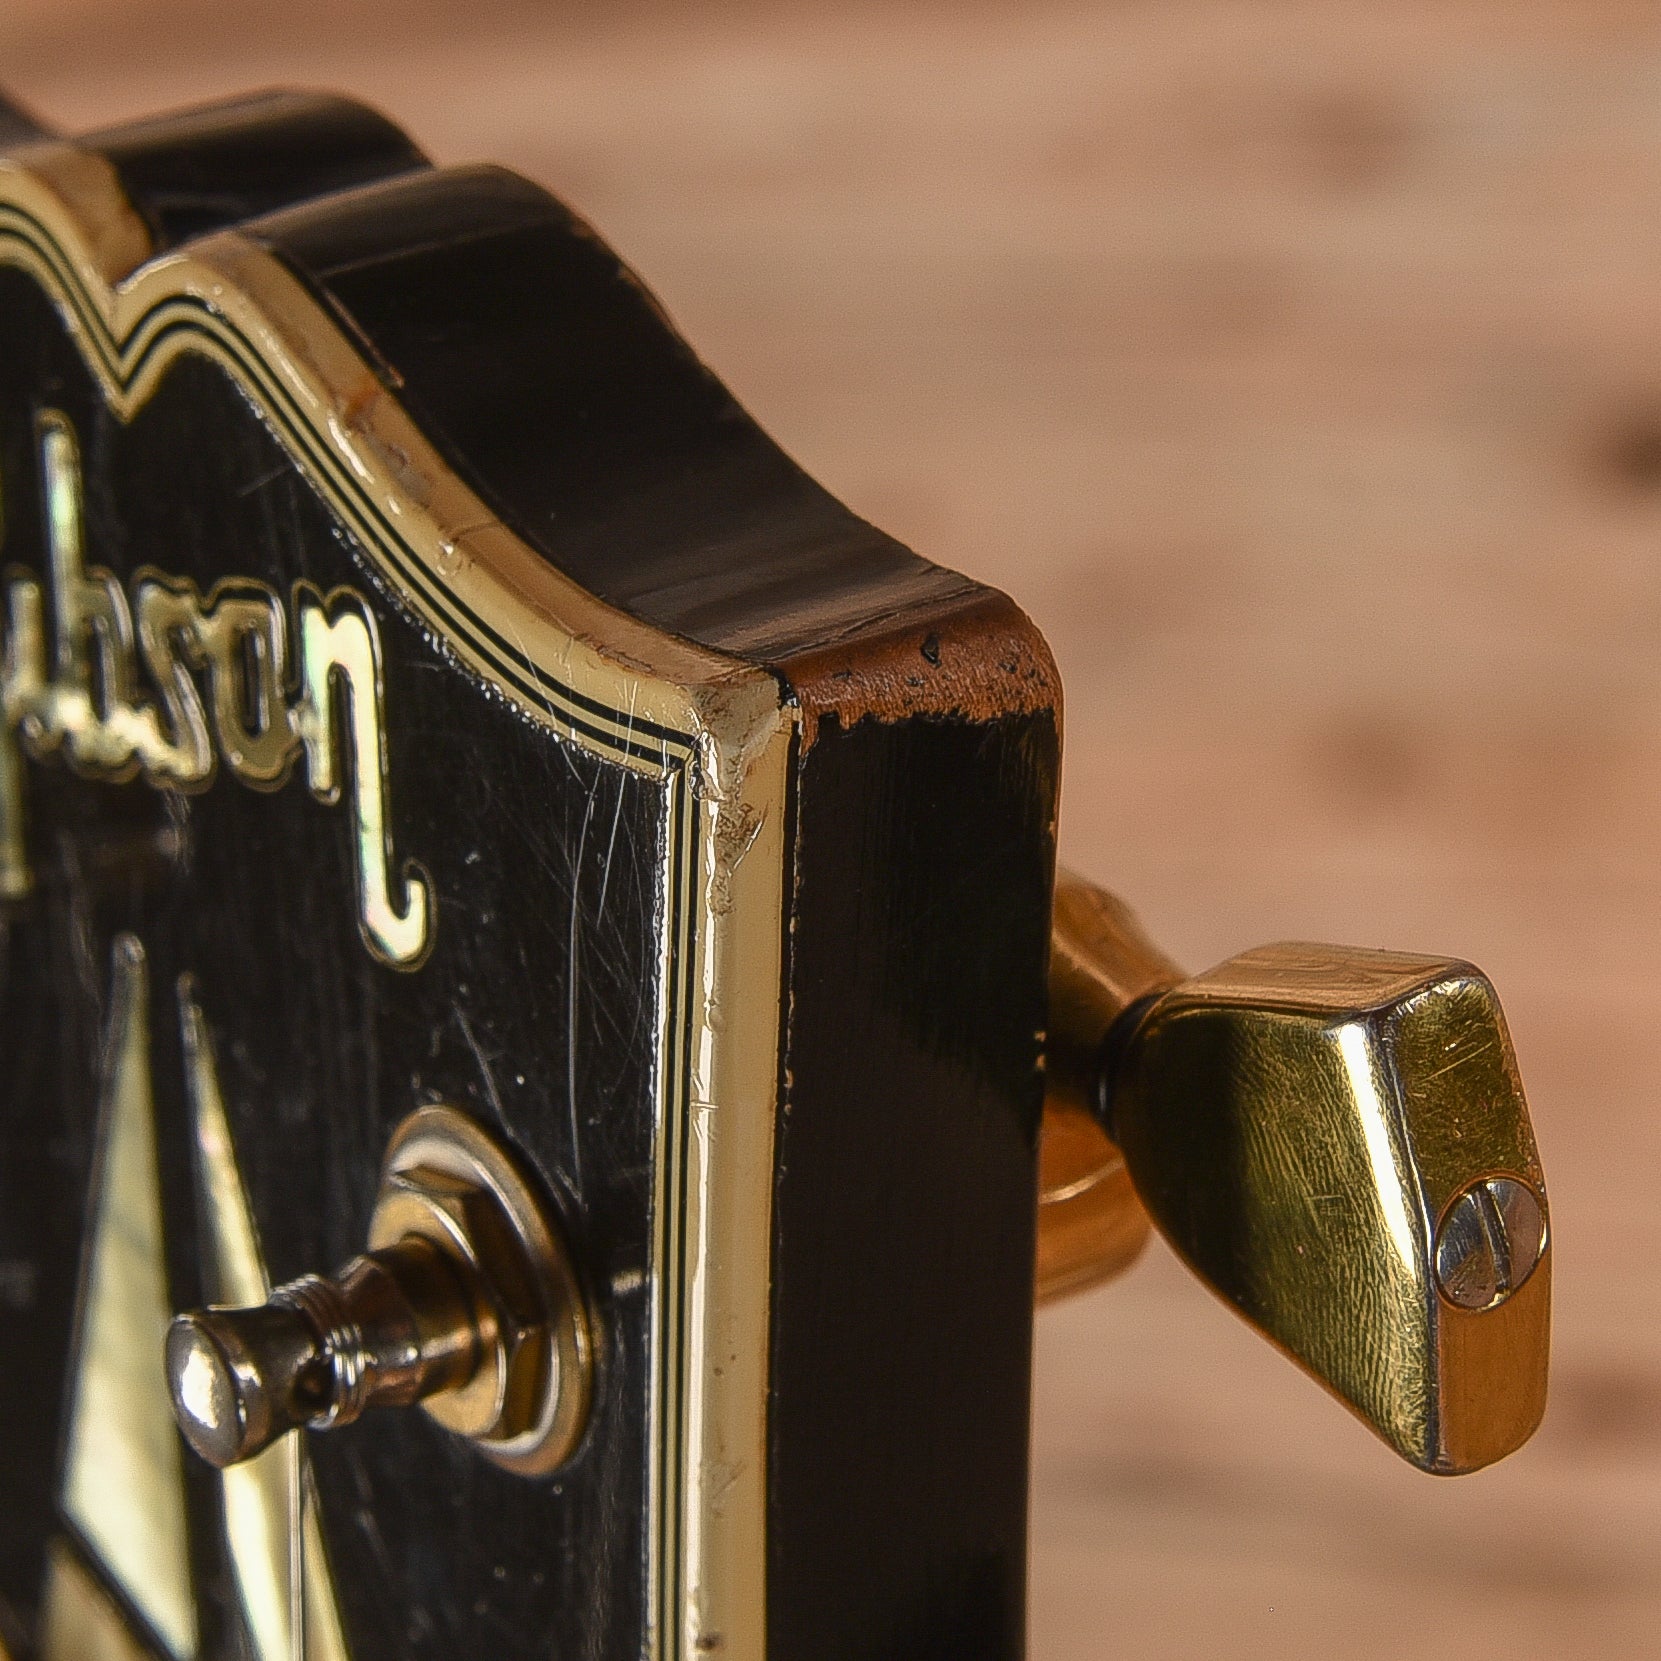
[[466, 1303]]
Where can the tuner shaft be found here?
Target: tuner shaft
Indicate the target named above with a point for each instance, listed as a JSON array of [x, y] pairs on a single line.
[[465, 1304], [392, 1328], [1091, 1226]]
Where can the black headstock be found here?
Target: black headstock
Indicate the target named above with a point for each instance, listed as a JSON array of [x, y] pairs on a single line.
[[513, 901], [424, 684]]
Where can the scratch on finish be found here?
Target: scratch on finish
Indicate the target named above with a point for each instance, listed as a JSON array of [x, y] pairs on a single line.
[[1466, 1053], [616, 818], [270, 476], [484, 1066], [611, 849], [572, 986]]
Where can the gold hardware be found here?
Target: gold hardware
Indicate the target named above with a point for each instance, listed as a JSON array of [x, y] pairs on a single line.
[[1091, 1226], [466, 1303], [1337, 1142]]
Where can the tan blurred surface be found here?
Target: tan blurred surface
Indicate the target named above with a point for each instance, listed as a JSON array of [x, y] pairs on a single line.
[[1299, 367]]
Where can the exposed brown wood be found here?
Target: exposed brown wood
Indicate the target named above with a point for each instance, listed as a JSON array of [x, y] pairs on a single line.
[[972, 661]]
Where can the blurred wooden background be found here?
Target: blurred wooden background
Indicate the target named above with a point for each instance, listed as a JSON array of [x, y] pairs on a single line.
[[1299, 367]]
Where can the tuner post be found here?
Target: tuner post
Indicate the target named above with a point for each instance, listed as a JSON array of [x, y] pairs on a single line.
[[466, 1304], [1091, 1226]]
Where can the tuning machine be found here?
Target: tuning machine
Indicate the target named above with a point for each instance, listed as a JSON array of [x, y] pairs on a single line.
[[465, 1303], [1336, 1141]]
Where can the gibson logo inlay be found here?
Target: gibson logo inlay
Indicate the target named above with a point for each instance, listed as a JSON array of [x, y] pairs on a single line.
[[75, 689]]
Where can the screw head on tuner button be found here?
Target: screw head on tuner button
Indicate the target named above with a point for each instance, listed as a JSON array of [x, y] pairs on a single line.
[[1336, 1140], [1489, 1242]]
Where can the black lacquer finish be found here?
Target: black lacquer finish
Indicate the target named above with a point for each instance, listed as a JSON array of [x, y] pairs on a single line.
[[917, 881], [197, 171], [904, 1222], [607, 445], [322, 1051]]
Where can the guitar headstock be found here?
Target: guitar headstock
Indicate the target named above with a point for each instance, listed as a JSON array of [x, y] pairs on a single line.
[[527, 952]]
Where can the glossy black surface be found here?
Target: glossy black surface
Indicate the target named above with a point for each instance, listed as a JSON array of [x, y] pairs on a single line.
[[535, 1011], [549, 375], [202, 169], [903, 1227], [919, 873]]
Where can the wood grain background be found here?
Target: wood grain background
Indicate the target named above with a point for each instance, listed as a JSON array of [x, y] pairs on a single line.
[[1299, 367]]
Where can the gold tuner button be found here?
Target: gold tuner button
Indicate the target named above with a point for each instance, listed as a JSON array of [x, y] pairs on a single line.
[[466, 1303], [1337, 1142]]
